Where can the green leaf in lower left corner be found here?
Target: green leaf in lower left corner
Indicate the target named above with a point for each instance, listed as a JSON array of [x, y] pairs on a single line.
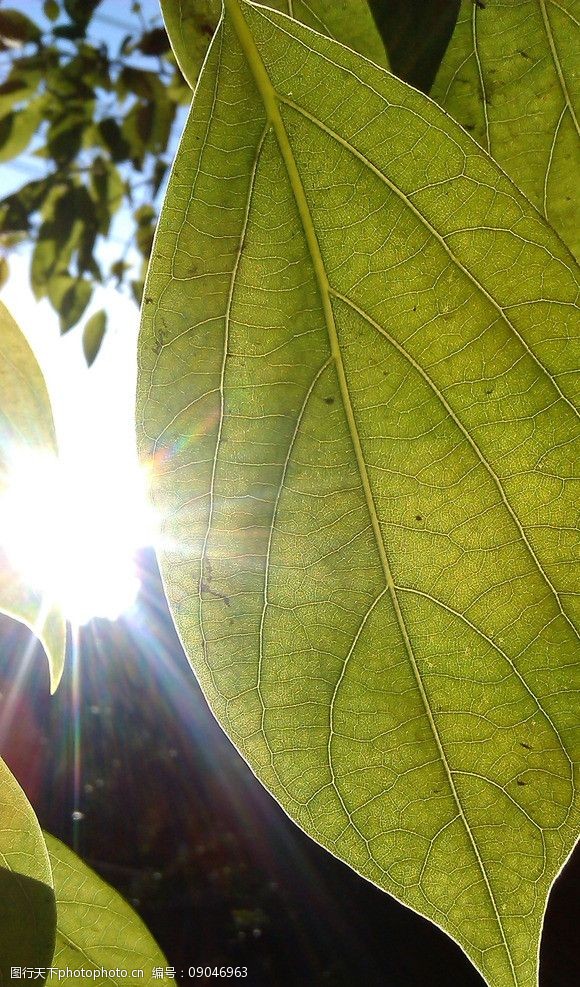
[[27, 902], [96, 929]]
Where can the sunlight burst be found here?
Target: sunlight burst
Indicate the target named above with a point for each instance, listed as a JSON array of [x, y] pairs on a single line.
[[72, 531]]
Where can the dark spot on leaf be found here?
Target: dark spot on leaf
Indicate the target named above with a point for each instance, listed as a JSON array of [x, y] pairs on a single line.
[[527, 746], [480, 4], [148, 300], [469, 126], [489, 390], [418, 517], [414, 308], [520, 782], [206, 589], [329, 400], [523, 53]]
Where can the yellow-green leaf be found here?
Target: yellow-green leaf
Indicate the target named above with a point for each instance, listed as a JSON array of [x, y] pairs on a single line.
[[70, 296], [96, 928], [190, 27], [355, 385], [27, 904], [26, 427], [510, 76], [18, 128], [51, 9], [93, 335]]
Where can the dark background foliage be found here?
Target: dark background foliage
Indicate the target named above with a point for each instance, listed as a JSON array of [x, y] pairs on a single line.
[[416, 34], [100, 117], [104, 120]]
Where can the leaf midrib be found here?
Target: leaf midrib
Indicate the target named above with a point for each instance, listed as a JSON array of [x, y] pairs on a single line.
[[270, 99]]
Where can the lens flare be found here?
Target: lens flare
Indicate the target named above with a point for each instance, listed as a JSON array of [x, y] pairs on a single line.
[[72, 531]]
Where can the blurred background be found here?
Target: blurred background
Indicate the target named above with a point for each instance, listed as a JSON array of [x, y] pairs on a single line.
[[126, 763]]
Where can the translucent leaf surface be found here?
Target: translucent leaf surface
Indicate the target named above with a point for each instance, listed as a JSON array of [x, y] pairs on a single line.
[[26, 428], [348, 21], [355, 385], [27, 907], [510, 76], [96, 928]]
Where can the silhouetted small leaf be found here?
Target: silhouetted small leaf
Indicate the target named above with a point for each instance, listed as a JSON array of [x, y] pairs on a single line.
[[70, 296], [4, 271], [145, 218], [17, 209], [64, 139], [137, 290], [114, 139], [72, 32], [159, 172], [51, 9], [107, 191], [81, 11], [93, 335], [16, 26], [70, 213], [154, 42], [136, 130], [139, 82], [118, 269]]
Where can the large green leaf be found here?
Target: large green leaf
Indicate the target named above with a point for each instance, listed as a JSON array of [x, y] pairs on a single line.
[[27, 905], [96, 928], [26, 427], [355, 386], [190, 25], [510, 76]]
